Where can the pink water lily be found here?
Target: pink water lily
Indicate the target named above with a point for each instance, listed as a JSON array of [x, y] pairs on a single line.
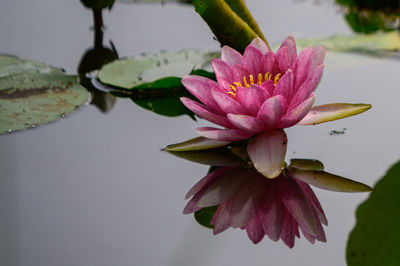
[[260, 93], [276, 208]]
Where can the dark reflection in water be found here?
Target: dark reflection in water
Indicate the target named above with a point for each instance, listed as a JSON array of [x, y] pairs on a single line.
[[367, 16], [93, 59]]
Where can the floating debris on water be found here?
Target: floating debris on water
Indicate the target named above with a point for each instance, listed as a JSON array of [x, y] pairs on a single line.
[[338, 132]]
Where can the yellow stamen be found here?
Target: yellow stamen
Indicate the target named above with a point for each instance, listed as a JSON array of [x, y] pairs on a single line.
[[238, 84], [232, 93], [259, 79], [251, 79], [277, 77], [267, 76], [245, 82], [232, 87]]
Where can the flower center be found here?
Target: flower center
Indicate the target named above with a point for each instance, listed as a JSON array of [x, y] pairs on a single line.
[[250, 81]]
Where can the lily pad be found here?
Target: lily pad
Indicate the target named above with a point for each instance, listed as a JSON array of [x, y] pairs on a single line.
[[375, 238], [377, 44], [130, 72], [30, 99], [10, 64], [204, 216]]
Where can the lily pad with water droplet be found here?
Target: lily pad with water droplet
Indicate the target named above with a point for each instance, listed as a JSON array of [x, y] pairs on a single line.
[[30, 99], [130, 72]]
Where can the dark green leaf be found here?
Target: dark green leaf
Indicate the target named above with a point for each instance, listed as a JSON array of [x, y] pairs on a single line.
[[375, 238], [204, 216]]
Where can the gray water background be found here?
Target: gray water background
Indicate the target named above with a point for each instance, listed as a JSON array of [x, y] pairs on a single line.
[[94, 189]]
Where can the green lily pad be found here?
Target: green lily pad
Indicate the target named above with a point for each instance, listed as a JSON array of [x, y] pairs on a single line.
[[30, 99], [375, 238], [10, 64], [377, 44], [130, 72], [204, 216]]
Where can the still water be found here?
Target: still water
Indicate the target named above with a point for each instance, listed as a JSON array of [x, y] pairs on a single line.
[[94, 188]]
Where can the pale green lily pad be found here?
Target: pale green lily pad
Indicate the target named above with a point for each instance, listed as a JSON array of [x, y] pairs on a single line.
[[132, 71], [195, 144], [334, 111], [381, 43], [31, 99], [328, 181], [375, 238], [10, 64]]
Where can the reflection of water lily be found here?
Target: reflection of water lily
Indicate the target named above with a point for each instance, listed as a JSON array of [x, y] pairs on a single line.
[[258, 94], [276, 207]]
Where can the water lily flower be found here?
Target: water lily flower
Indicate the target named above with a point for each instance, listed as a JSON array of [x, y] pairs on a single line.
[[277, 208], [258, 94]]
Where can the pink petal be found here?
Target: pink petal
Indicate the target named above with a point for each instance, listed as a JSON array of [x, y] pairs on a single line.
[[295, 115], [204, 112], [270, 63], [298, 206], [285, 85], [223, 73], [329, 112], [231, 56], [239, 72], [222, 218], [291, 46], [287, 234], [252, 60], [318, 57], [252, 98], [228, 104], [254, 230], [267, 152], [301, 66], [282, 56], [223, 134], [206, 181], [308, 87], [271, 111], [269, 86], [260, 45], [201, 88], [247, 123]]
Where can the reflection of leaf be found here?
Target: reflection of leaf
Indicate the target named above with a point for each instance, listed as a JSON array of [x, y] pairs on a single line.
[[374, 44], [204, 216], [98, 4], [375, 238], [31, 99], [133, 71]]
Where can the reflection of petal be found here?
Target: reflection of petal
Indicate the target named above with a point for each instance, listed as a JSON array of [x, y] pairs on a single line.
[[329, 112], [328, 181], [267, 152]]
